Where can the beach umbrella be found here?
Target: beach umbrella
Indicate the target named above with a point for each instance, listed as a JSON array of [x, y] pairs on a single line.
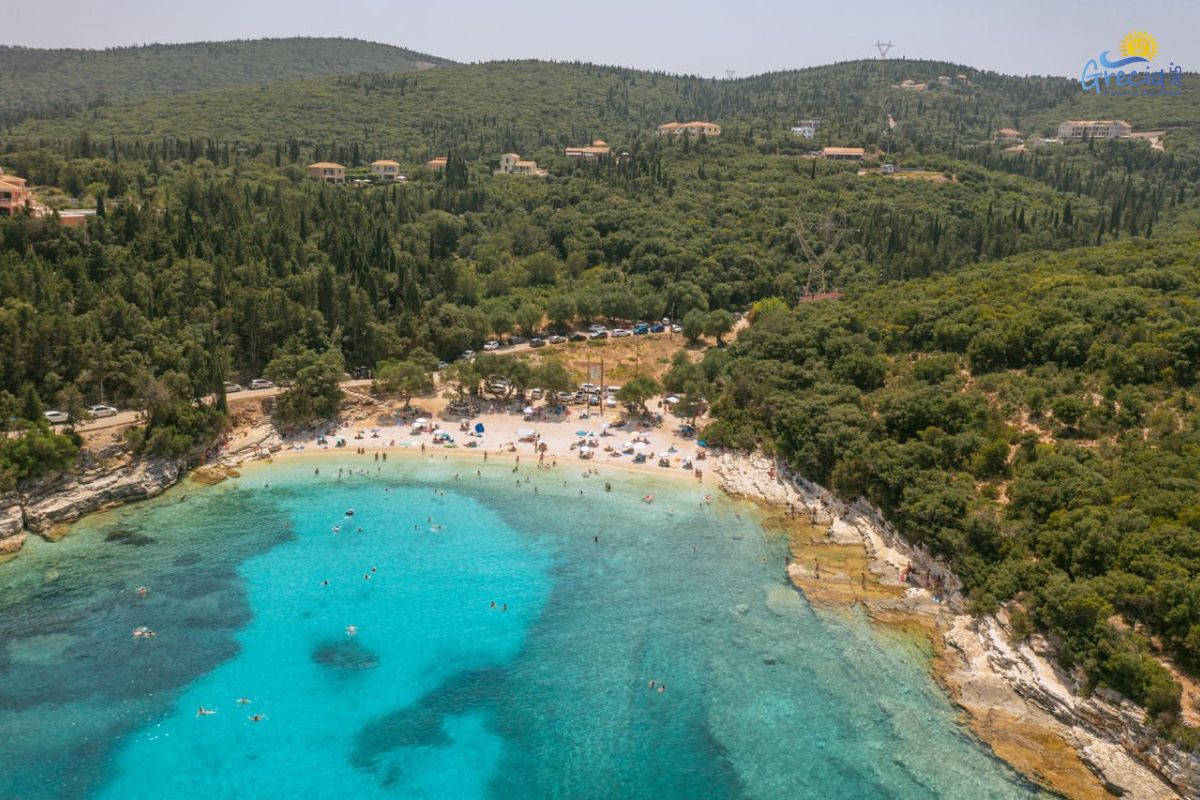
[[528, 409], [639, 446], [603, 426], [479, 427], [420, 421]]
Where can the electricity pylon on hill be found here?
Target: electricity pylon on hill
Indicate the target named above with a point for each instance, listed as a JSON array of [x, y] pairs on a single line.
[[827, 235]]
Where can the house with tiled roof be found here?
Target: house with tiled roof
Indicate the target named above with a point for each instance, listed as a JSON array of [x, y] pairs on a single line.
[[513, 164], [597, 148], [692, 128], [327, 172], [385, 170], [13, 195]]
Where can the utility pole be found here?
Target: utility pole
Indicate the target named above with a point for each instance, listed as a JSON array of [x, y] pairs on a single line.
[[830, 233], [883, 48]]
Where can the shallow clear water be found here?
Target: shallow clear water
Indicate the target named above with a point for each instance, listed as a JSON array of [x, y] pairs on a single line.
[[439, 695]]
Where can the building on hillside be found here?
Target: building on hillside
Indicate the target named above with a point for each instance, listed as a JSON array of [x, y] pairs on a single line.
[[327, 172], [1094, 129], [437, 163], [1007, 136], [513, 164], [943, 80], [597, 148], [692, 128], [910, 85], [806, 128], [385, 170], [13, 194], [843, 153]]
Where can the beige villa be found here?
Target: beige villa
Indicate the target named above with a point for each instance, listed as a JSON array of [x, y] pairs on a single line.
[[327, 172], [692, 128], [13, 194], [386, 170], [438, 162], [597, 148], [512, 164], [1094, 129]]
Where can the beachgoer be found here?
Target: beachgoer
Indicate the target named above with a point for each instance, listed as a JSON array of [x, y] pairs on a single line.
[[317, 471], [505, 607], [325, 582], [204, 712], [651, 684], [243, 701], [142, 591], [257, 717], [493, 604]]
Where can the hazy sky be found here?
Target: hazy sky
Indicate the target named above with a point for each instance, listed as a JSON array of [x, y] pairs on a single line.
[[704, 37]]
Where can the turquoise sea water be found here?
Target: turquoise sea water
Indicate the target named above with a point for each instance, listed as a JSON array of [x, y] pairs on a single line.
[[437, 694]]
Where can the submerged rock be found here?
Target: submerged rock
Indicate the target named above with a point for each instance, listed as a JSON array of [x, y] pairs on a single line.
[[346, 655]]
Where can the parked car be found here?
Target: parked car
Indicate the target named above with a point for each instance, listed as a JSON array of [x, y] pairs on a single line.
[[230, 388], [564, 397], [492, 345], [588, 387], [468, 355], [535, 394], [537, 342], [442, 365], [600, 335], [612, 389], [578, 336], [617, 333], [556, 339], [363, 373], [657, 328], [261, 383], [56, 417], [96, 412], [641, 330], [518, 340], [596, 328], [676, 328]]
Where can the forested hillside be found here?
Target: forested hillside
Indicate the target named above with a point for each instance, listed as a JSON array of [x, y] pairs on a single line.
[[1010, 373], [52, 82]]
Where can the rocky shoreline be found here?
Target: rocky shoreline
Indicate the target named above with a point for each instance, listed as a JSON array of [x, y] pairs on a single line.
[[1015, 698]]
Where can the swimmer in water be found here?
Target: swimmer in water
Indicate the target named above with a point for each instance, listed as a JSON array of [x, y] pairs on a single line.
[[325, 582], [205, 712], [142, 591], [257, 717], [662, 688], [651, 684], [351, 630], [243, 701]]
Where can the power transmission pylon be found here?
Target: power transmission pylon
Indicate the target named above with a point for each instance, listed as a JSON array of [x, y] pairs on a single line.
[[883, 48], [828, 235]]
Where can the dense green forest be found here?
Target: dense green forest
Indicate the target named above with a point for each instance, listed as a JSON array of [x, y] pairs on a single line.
[[1010, 374], [54, 82]]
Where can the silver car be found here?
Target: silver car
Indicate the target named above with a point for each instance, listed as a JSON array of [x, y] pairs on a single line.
[[96, 412]]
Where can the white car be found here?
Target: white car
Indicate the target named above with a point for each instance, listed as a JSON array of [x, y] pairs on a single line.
[[617, 333], [56, 417], [97, 412], [676, 328], [230, 388], [492, 345], [261, 383]]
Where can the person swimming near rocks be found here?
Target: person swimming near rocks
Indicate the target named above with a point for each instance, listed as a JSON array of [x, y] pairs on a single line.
[[142, 591], [205, 712]]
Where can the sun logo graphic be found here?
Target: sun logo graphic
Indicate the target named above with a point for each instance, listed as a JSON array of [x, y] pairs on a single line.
[[1140, 44], [1129, 71]]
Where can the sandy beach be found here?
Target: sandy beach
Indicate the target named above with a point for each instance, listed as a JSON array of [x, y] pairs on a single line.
[[574, 438]]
